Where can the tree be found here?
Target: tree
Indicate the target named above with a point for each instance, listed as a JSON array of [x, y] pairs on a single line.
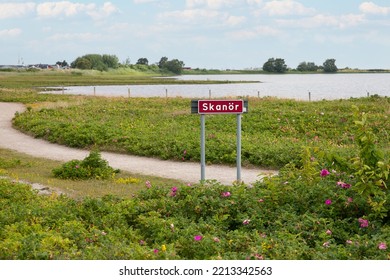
[[307, 66], [175, 66], [275, 65], [96, 61], [162, 62], [143, 61], [330, 66], [62, 64]]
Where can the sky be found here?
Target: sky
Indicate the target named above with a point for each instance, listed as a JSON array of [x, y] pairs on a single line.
[[211, 34]]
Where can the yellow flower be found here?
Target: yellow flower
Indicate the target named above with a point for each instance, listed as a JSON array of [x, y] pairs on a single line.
[[163, 248]]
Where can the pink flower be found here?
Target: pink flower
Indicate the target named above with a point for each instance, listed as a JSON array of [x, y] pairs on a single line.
[[216, 239], [343, 185], [246, 222], [142, 242], [226, 194], [363, 222], [148, 184], [328, 232], [326, 244], [261, 200], [328, 202], [155, 251], [382, 246], [349, 242], [324, 173], [198, 237]]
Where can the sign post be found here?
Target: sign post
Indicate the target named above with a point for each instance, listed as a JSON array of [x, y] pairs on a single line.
[[204, 107]]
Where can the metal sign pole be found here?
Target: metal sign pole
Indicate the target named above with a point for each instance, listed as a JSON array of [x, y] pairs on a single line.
[[239, 148], [202, 147]]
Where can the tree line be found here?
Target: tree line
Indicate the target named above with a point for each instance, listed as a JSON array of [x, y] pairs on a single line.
[[278, 65], [105, 62]]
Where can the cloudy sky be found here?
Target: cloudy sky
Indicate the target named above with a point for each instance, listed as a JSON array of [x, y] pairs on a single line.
[[218, 34]]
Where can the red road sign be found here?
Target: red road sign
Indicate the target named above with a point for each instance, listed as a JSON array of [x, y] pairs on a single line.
[[220, 106]]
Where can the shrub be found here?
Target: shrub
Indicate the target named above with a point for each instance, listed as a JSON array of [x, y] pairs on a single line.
[[92, 167]]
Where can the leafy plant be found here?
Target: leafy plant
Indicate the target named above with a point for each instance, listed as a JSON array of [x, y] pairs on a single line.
[[93, 166]]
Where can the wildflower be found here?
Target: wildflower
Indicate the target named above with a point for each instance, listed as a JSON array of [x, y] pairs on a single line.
[[328, 202], [258, 256], [349, 199], [156, 251], [226, 194], [148, 184], [142, 242], [349, 242], [174, 189], [172, 226], [363, 222], [163, 248], [198, 237], [104, 233], [326, 244], [184, 152], [343, 185], [189, 185], [216, 239], [246, 222], [324, 173], [382, 246], [77, 166], [328, 232], [261, 200]]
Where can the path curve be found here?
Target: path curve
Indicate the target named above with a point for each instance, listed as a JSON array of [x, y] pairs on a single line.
[[13, 139]]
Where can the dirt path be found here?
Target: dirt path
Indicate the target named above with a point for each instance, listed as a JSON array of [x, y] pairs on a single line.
[[11, 138]]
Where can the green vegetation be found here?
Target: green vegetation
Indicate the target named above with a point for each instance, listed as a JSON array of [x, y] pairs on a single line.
[[330, 200], [317, 211], [274, 131], [92, 167]]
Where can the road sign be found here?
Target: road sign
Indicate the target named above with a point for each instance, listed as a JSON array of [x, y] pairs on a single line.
[[204, 107], [220, 106]]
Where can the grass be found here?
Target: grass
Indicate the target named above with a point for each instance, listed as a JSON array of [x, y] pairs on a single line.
[[18, 166], [51, 78]]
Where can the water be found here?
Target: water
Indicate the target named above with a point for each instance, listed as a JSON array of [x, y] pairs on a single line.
[[293, 86]]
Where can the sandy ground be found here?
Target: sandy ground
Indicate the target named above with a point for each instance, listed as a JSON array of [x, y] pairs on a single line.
[[13, 139]]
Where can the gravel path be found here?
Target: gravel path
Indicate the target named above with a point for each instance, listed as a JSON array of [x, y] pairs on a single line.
[[13, 139]]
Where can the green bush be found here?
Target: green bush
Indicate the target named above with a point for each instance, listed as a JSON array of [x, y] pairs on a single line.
[[92, 167]]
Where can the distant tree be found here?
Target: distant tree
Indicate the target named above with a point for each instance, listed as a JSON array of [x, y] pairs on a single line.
[[82, 63], [307, 66], [162, 62], [174, 65], [111, 61], [143, 61], [330, 66], [275, 65], [62, 64]]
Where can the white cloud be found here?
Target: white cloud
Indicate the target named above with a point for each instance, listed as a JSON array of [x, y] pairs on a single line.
[[63, 8], [321, 20], [103, 12], [234, 20], [6, 33], [12, 10], [68, 9], [286, 7], [371, 8]]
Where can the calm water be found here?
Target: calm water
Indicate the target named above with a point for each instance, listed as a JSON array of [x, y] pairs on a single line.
[[295, 86]]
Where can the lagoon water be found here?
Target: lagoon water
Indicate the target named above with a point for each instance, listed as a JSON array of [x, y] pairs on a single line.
[[293, 86]]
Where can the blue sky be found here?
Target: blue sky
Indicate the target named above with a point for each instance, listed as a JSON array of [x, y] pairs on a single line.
[[219, 34]]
